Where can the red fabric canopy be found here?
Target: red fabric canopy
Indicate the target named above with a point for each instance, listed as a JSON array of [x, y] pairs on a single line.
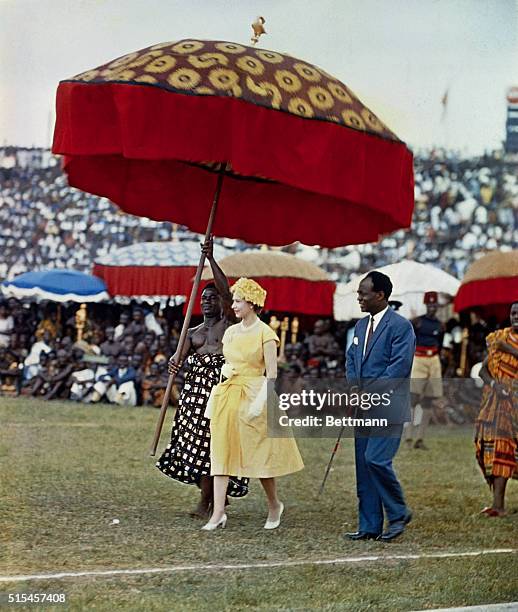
[[146, 280], [335, 176], [488, 294], [294, 295]]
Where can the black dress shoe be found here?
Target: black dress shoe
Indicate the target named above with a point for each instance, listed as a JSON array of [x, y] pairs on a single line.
[[395, 529], [361, 535]]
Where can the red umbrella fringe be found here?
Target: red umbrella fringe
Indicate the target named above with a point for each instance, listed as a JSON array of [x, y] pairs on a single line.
[[332, 185]]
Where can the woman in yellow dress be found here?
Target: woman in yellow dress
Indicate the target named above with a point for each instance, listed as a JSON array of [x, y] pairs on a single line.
[[240, 445]]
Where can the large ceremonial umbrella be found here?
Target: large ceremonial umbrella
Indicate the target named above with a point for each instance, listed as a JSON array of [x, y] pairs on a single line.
[[303, 158], [410, 280], [152, 268], [58, 285], [490, 284], [293, 285]]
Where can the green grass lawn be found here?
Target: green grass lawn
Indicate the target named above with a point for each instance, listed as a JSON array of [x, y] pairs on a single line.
[[68, 470]]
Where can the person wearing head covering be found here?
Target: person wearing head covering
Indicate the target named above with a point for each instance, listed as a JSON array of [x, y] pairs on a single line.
[[496, 436], [238, 409], [426, 383]]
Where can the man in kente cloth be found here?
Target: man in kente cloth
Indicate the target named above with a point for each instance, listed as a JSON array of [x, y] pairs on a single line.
[[187, 456]]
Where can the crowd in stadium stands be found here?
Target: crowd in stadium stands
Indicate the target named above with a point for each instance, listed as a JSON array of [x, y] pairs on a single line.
[[463, 206], [122, 356], [122, 361]]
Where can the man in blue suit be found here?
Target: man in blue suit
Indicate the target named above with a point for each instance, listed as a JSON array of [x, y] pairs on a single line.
[[380, 358]]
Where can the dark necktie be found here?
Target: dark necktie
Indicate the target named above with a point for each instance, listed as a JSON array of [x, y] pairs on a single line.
[[370, 333]]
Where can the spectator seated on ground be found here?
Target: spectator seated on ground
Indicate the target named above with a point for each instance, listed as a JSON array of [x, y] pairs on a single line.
[[137, 327], [144, 348], [50, 324], [40, 383], [60, 379], [160, 349], [32, 373], [94, 368], [154, 385], [118, 384], [6, 324], [152, 323], [111, 347], [294, 355], [10, 373], [136, 361], [128, 345], [291, 380], [321, 343], [24, 322], [120, 328]]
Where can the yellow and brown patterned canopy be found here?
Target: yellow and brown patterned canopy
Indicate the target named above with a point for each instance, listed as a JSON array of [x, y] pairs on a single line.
[[265, 78]]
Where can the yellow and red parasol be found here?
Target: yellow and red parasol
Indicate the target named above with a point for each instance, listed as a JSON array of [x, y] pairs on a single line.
[[306, 159], [156, 131], [490, 284], [292, 284]]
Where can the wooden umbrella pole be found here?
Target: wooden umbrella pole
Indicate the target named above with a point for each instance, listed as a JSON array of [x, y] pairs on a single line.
[[188, 314]]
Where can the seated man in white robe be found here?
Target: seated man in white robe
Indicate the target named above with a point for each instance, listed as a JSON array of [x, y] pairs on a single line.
[[118, 384]]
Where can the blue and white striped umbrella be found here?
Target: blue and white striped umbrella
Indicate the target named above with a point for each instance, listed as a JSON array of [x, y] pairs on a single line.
[[60, 285]]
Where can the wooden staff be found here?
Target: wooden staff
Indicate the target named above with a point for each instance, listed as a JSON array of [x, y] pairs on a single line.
[[284, 330], [274, 323], [80, 321], [187, 320], [461, 370], [294, 329]]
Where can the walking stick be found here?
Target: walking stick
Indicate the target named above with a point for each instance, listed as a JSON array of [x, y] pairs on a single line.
[[335, 449], [187, 320]]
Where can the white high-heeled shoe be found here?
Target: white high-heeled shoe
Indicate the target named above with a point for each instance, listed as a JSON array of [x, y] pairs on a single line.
[[275, 524], [211, 526]]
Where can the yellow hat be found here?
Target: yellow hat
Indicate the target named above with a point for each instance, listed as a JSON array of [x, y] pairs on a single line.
[[250, 291]]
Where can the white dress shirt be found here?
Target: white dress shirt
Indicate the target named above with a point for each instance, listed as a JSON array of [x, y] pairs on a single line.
[[377, 318]]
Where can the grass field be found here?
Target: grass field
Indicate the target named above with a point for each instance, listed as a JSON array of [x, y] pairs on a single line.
[[68, 470]]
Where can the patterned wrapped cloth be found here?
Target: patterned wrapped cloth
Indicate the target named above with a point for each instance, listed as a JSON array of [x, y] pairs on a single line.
[[187, 456], [496, 437]]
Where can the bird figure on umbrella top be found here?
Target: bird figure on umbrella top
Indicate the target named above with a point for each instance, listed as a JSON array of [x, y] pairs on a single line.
[[258, 28]]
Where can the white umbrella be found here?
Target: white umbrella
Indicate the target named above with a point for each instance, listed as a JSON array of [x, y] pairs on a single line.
[[411, 280]]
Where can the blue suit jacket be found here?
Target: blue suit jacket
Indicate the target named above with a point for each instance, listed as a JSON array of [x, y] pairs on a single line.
[[129, 375], [386, 365]]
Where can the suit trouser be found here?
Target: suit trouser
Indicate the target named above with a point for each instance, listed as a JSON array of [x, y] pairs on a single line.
[[377, 486]]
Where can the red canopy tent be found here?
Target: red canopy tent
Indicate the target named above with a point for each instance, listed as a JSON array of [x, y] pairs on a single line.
[[293, 285], [152, 268]]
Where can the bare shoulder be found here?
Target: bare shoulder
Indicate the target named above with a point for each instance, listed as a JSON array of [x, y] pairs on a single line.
[[193, 330]]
